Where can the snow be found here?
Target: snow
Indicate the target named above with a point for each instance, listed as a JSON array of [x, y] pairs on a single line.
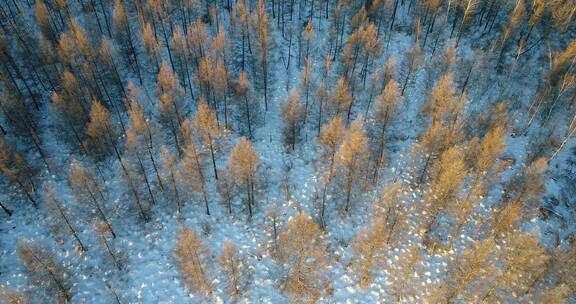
[[146, 249]]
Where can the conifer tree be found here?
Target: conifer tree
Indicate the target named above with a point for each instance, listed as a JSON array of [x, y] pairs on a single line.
[[233, 269], [124, 37], [168, 161], [220, 80], [86, 190], [9, 296], [403, 271], [301, 250], [171, 103], [261, 28], [59, 211], [292, 115], [42, 266], [412, 60], [523, 259], [242, 90], [350, 160], [243, 168], [368, 246], [191, 172], [329, 139], [305, 83], [208, 130], [140, 133], [340, 96], [17, 169], [447, 180], [472, 270], [387, 106], [104, 233], [192, 259], [181, 59], [151, 46]]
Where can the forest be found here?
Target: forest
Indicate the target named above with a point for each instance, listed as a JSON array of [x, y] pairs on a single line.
[[287, 151]]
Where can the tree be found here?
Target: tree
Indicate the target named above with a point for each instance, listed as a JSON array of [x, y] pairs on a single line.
[[340, 96], [387, 106], [403, 270], [220, 83], [191, 172], [350, 159], [123, 35], [59, 211], [151, 46], [99, 130], [302, 251], [242, 90], [9, 296], [171, 102], [86, 190], [523, 258], [243, 167], [472, 270], [140, 132], [329, 139], [292, 116], [208, 129], [368, 246], [260, 25], [192, 259], [169, 164], [447, 180], [41, 265], [104, 233], [412, 61], [306, 80], [233, 269], [17, 169]]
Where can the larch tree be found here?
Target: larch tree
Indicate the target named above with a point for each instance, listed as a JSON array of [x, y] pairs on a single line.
[[292, 116], [243, 168], [350, 160], [368, 246], [41, 265], [100, 132], [18, 170], [301, 249], [472, 270], [208, 130], [104, 233], [403, 271], [181, 59], [193, 259], [191, 171], [10, 296], [340, 96], [412, 60], [447, 180], [263, 41], [221, 83], [305, 84], [168, 161], [242, 90], [124, 38], [387, 107], [329, 140], [59, 211], [523, 258], [140, 133], [151, 46], [233, 269], [171, 103], [86, 190]]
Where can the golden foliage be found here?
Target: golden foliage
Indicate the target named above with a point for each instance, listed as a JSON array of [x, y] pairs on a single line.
[[192, 258], [301, 249]]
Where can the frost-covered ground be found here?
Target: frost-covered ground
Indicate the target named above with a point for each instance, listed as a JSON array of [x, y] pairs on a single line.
[[291, 184]]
